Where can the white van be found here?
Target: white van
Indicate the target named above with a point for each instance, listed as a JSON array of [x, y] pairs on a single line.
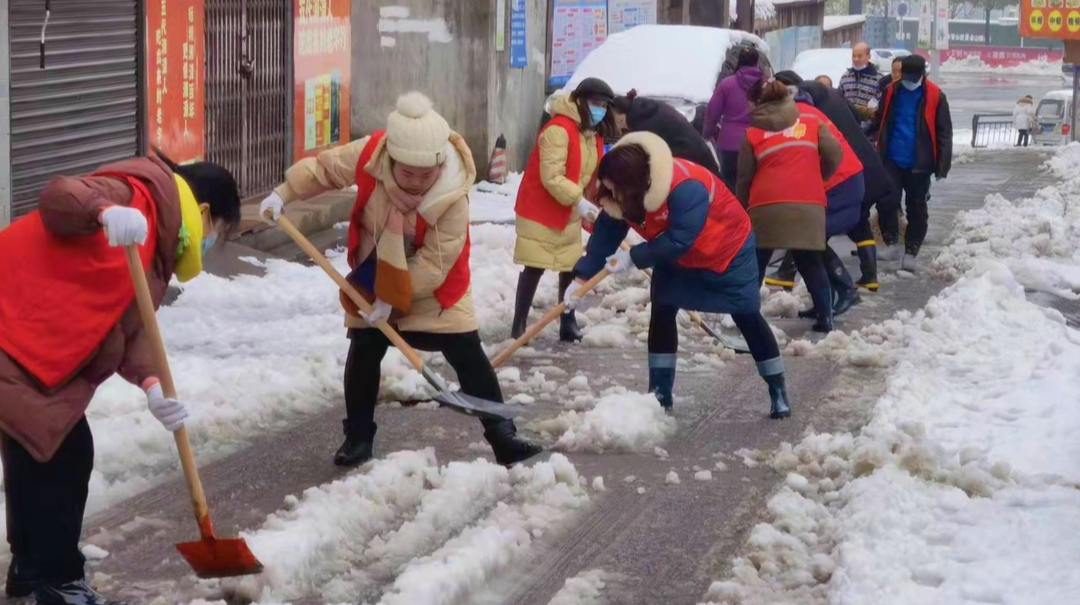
[[1053, 118]]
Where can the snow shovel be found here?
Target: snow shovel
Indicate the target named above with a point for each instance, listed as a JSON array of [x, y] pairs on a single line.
[[459, 402], [548, 317], [735, 343], [210, 556]]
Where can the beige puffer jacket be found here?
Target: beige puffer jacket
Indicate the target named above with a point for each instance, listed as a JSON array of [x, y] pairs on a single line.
[[543, 247], [445, 208]]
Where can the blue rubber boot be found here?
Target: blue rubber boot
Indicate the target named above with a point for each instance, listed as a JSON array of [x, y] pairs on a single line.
[[662, 378], [772, 371]]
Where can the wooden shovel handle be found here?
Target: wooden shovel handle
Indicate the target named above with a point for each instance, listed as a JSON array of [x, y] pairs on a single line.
[[548, 317], [350, 291], [183, 446]]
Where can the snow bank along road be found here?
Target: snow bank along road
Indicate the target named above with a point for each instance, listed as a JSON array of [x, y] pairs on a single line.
[[634, 506]]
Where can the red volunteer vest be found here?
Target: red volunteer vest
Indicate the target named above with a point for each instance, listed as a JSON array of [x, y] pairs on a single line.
[[457, 280], [849, 163], [933, 97], [534, 202], [726, 226], [788, 165], [62, 295]]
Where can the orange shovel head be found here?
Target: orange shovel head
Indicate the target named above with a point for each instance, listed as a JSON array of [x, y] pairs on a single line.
[[214, 558]]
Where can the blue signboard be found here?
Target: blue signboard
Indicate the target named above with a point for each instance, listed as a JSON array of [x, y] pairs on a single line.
[[519, 50]]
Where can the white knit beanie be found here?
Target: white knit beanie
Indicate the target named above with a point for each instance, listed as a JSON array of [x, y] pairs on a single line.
[[415, 134]]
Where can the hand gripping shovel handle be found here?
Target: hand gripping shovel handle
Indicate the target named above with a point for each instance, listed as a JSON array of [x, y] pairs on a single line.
[[350, 291], [150, 324], [548, 317]]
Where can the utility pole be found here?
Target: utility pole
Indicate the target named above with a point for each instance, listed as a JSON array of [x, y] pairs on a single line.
[[855, 7], [744, 10]]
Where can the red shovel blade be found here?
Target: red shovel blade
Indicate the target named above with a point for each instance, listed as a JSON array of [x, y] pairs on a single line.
[[214, 558]]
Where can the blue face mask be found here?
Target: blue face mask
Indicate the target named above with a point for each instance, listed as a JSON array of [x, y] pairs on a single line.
[[912, 85], [208, 243], [598, 114]]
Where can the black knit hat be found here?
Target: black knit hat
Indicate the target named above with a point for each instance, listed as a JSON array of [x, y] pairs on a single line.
[[913, 67], [593, 87]]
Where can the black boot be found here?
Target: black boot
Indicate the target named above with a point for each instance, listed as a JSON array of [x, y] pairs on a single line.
[[72, 593], [846, 295], [823, 304], [868, 263], [358, 447], [784, 276], [528, 279], [781, 406], [568, 327], [810, 313], [508, 447], [16, 587]]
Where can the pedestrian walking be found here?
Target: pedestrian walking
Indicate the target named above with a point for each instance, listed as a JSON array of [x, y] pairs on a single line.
[[915, 143], [1024, 120], [728, 114], [408, 250], [640, 114], [784, 163], [699, 244], [860, 84], [557, 179], [68, 322]]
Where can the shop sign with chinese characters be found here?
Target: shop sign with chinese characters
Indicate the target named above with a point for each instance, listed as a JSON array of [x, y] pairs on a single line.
[[175, 82], [1050, 19], [322, 49]]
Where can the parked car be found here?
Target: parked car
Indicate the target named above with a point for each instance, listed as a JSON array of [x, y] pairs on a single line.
[[1053, 118], [883, 57], [832, 62], [678, 64]]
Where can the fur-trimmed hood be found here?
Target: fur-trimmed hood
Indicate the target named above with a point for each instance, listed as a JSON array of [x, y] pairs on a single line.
[[661, 171]]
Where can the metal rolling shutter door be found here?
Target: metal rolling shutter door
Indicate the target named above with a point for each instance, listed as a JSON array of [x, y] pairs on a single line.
[[82, 110]]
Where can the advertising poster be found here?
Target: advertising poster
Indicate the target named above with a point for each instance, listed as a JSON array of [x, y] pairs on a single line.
[[322, 47], [941, 26], [626, 14], [1050, 19], [175, 82], [519, 27], [926, 23], [577, 28]]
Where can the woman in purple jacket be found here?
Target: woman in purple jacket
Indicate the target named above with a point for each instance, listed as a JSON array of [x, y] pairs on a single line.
[[729, 113]]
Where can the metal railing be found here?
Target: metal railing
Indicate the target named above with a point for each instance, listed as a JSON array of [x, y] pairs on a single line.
[[990, 128]]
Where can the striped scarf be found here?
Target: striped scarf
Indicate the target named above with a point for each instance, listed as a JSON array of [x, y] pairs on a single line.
[[392, 282]]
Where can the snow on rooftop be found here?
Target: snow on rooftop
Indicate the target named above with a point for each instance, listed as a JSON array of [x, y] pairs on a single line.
[[833, 22], [663, 61]]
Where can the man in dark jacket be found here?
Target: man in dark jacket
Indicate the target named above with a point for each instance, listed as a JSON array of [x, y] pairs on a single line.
[[859, 84], [843, 114], [915, 143], [636, 114]]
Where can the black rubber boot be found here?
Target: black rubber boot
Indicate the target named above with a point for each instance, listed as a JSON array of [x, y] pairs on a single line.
[[568, 327], [528, 280], [823, 306], [15, 587], [358, 448], [846, 295], [508, 447], [781, 405], [72, 593], [784, 276], [868, 264]]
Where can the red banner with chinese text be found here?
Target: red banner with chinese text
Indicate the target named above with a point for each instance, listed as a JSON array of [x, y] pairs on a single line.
[[322, 49], [175, 82]]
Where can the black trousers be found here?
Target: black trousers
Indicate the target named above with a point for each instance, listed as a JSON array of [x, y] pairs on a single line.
[[363, 371], [45, 504], [915, 188], [729, 168], [1023, 138], [863, 232], [664, 333]]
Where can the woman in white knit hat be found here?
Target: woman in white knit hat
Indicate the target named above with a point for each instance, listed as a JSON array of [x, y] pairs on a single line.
[[409, 254]]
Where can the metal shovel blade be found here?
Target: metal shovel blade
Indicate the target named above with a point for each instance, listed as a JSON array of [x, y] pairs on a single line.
[[214, 558], [474, 406]]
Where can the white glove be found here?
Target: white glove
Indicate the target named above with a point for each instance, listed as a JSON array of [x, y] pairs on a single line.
[[587, 210], [380, 310], [569, 299], [272, 205], [620, 262], [169, 412], [125, 226]]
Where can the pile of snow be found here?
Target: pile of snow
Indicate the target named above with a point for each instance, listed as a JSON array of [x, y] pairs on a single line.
[[620, 421], [963, 485], [834, 22], [494, 202], [585, 588], [974, 64], [1038, 238], [409, 531]]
